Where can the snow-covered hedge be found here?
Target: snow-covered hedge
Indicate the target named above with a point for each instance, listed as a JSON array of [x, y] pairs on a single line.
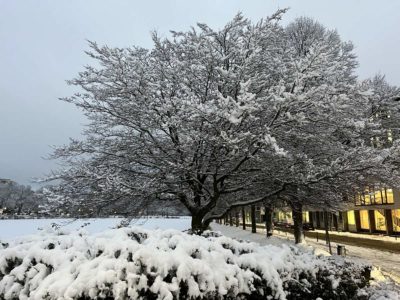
[[133, 263]]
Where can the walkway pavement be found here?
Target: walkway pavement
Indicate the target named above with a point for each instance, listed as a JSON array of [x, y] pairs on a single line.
[[387, 261]]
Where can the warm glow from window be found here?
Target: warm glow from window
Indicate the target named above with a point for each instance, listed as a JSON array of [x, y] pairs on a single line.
[[364, 220], [380, 220], [389, 195], [374, 196], [378, 197], [284, 216], [367, 198], [358, 199], [351, 218], [396, 219], [306, 218]]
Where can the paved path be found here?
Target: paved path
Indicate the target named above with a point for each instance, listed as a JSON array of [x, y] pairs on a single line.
[[388, 262]]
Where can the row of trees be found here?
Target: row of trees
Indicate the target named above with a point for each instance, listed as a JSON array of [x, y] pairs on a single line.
[[218, 119], [18, 199]]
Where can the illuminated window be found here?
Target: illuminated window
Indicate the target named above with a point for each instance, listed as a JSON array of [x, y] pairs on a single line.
[[284, 216], [378, 196], [380, 220], [396, 219], [351, 218], [367, 197], [248, 219], [364, 220], [358, 199], [306, 218], [373, 196], [389, 196]]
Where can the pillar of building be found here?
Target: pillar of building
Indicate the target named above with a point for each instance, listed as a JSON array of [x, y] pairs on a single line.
[[389, 221], [358, 220], [345, 221], [318, 220], [335, 221], [371, 219], [311, 217], [322, 217]]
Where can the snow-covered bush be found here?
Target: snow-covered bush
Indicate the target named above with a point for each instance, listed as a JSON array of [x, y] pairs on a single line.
[[133, 263], [380, 291]]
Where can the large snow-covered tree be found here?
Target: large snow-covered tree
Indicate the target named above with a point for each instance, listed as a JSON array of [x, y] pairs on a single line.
[[330, 153], [217, 118], [179, 121]]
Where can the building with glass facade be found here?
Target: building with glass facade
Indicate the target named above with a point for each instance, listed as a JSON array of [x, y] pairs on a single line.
[[375, 211]]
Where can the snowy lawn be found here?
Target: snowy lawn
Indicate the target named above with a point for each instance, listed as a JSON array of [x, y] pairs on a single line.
[[137, 263], [10, 229]]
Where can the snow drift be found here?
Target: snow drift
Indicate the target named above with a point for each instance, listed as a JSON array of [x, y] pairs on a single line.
[[136, 263]]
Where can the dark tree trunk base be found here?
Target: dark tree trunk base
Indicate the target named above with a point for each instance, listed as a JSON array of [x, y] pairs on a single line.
[[297, 213], [269, 225], [197, 225]]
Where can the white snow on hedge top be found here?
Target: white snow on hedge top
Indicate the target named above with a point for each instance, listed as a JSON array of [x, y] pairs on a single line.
[[129, 262]]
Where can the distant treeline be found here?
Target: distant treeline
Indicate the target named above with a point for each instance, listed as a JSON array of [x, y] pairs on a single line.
[[21, 201]]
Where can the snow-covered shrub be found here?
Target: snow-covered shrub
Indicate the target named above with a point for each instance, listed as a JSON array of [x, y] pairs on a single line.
[[386, 290], [133, 263]]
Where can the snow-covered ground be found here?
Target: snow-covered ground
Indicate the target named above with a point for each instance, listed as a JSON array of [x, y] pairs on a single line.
[[388, 262], [10, 229]]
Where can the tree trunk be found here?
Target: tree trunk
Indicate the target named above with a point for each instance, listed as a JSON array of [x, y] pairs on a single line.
[[297, 213], [243, 218], [327, 237], [197, 224], [253, 219], [20, 209], [230, 219], [335, 222], [269, 225]]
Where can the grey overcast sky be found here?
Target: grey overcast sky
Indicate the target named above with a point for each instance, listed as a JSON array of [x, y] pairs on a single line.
[[42, 44]]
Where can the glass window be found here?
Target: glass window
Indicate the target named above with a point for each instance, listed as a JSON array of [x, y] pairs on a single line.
[[367, 198], [358, 199], [378, 196], [362, 199], [380, 220], [389, 195], [396, 219], [364, 220], [351, 218], [306, 218], [373, 196]]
